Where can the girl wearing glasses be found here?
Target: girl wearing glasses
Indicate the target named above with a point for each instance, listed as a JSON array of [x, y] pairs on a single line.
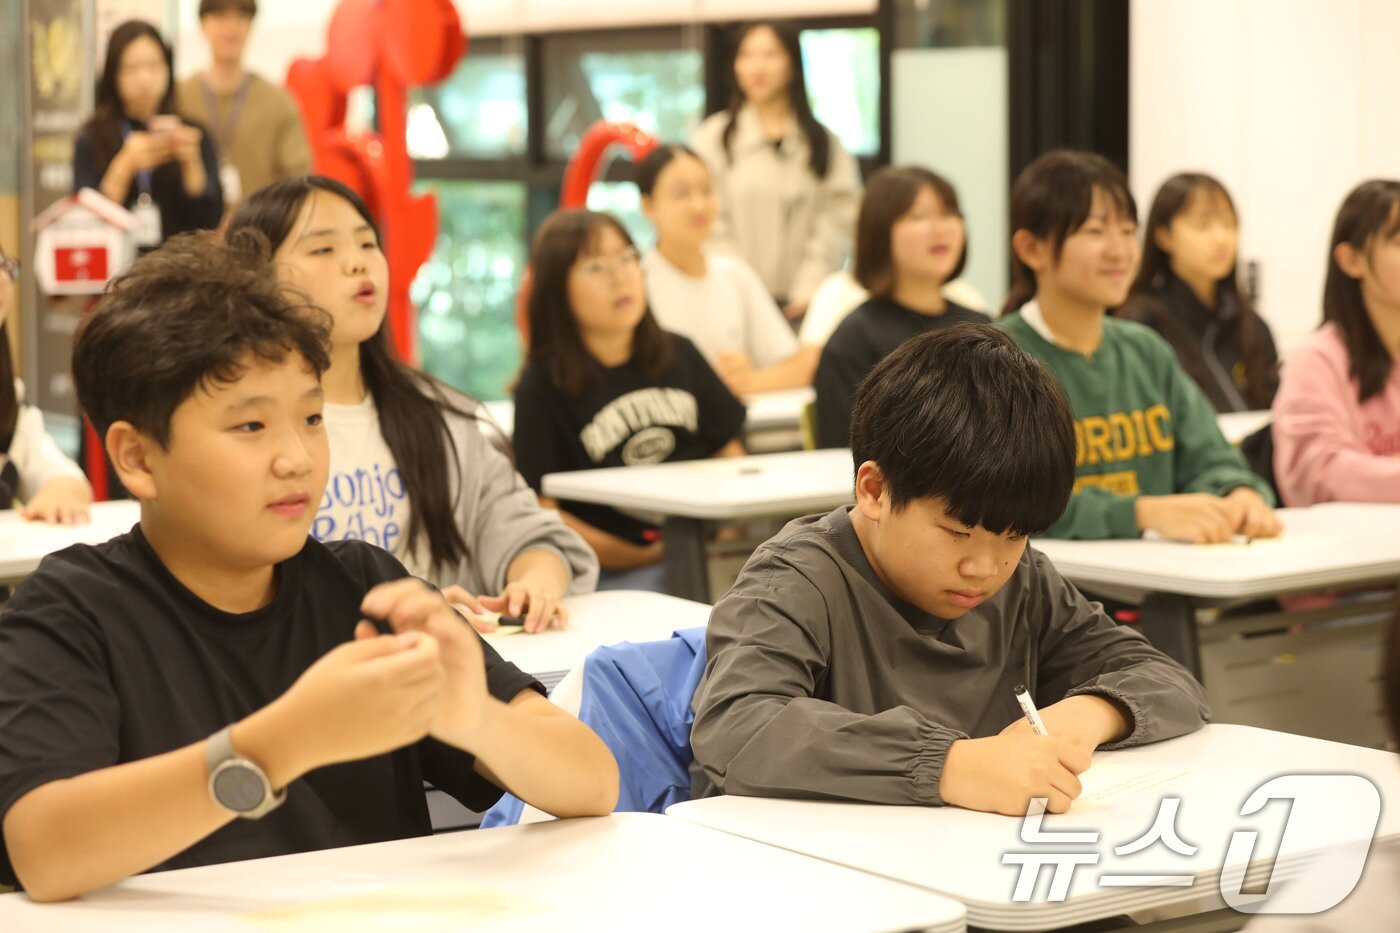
[[33, 470], [605, 386]]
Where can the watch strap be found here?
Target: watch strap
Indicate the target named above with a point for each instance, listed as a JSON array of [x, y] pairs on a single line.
[[219, 751]]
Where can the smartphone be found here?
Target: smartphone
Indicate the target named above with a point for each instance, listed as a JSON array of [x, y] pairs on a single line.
[[163, 123]]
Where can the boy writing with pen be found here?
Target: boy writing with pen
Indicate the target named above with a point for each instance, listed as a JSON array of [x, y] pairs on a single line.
[[872, 654]]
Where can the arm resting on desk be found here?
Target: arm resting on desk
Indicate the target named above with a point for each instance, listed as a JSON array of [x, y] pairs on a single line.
[[364, 698], [1082, 651]]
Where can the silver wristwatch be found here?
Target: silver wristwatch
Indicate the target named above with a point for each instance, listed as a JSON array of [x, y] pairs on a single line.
[[236, 783]]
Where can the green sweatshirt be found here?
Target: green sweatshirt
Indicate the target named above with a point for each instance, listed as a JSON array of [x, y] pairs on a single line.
[[1141, 426]]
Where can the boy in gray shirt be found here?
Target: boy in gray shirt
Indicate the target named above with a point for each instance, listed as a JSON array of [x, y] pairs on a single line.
[[873, 654]]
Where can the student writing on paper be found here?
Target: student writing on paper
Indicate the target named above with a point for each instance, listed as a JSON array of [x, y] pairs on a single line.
[[605, 386], [34, 474], [1149, 454], [872, 654], [216, 685], [713, 299], [411, 470], [1337, 415]]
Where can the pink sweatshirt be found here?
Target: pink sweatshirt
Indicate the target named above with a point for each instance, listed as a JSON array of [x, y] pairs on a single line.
[[1327, 445]]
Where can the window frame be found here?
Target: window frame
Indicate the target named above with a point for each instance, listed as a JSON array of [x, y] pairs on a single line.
[[543, 175]]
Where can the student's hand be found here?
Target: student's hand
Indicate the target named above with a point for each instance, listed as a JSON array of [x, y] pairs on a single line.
[[367, 697], [62, 501], [1002, 773], [1086, 721], [735, 370], [795, 310], [1195, 517], [410, 607], [469, 607], [534, 596], [144, 151], [184, 143], [1254, 517]]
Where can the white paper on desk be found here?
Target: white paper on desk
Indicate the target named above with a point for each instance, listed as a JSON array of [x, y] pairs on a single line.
[[1284, 543], [1105, 782], [441, 906]]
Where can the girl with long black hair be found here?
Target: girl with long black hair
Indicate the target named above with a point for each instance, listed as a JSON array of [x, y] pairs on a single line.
[[1188, 290], [137, 151], [787, 188], [411, 470]]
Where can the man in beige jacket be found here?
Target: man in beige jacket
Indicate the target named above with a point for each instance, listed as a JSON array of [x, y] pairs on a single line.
[[255, 125]]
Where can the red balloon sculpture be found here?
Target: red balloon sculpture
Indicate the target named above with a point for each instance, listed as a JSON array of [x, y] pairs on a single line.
[[392, 45]]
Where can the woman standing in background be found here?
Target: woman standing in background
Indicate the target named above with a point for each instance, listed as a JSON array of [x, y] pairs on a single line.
[[1188, 291], [137, 152], [787, 188]]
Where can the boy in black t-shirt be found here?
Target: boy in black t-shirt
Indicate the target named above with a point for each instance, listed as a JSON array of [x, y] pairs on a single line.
[[215, 662]]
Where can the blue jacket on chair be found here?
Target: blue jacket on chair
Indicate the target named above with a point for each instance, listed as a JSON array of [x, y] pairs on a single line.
[[637, 698]]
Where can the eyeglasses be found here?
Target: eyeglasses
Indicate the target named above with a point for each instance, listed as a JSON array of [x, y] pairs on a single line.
[[597, 268], [10, 267]]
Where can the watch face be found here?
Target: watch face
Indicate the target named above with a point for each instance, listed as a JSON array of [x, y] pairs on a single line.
[[238, 788]]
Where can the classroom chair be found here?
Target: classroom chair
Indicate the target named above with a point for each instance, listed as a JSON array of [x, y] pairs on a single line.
[[637, 698]]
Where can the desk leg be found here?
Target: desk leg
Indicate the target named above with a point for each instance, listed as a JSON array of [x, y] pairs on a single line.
[[1169, 623], [686, 574]]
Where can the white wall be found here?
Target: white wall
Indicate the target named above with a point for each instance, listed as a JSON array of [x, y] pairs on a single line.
[[283, 32], [1290, 103], [949, 113]]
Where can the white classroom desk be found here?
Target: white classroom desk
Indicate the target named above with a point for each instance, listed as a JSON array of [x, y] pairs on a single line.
[[595, 620], [959, 852], [780, 410], [628, 871], [686, 495], [1239, 425], [1341, 544], [24, 544]]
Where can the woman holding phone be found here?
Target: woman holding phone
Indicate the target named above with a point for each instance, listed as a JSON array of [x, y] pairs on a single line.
[[137, 152]]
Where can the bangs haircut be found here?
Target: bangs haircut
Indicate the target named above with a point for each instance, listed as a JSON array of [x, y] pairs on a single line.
[[889, 195], [1370, 212], [563, 239], [412, 405], [1052, 198], [1178, 195], [194, 314], [964, 415]]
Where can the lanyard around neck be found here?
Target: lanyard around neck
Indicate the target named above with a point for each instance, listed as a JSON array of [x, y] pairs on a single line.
[[223, 132]]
